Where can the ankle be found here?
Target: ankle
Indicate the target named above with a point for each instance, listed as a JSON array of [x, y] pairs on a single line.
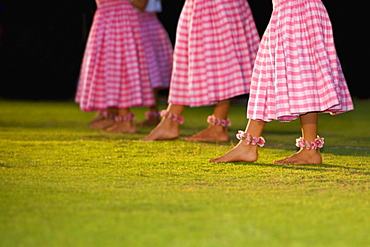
[[217, 129], [306, 145], [152, 114], [128, 117], [212, 120], [171, 116], [247, 139], [109, 114]]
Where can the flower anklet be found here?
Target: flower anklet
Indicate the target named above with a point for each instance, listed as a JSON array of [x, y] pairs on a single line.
[[128, 117], [152, 114], [317, 143], [220, 122], [300, 142], [260, 141], [109, 115], [173, 117]]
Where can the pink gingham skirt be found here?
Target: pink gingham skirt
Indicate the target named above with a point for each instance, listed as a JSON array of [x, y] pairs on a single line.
[[114, 71], [158, 49], [216, 45], [297, 69]]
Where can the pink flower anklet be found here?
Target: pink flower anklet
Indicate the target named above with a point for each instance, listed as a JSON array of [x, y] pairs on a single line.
[[220, 122], [152, 114], [173, 117], [109, 115], [128, 117], [260, 141], [317, 143]]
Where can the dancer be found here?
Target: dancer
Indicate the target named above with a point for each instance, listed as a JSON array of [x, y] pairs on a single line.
[[297, 75], [159, 52], [216, 45], [114, 74]]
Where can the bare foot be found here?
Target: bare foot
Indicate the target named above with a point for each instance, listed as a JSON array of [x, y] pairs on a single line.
[[153, 121], [241, 152], [302, 157], [167, 129], [102, 124], [122, 127], [98, 116], [211, 134]]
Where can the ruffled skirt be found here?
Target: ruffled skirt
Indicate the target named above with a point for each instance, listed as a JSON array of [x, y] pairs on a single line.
[[158, 49], [216, 45], [297, 69], [114, 71]]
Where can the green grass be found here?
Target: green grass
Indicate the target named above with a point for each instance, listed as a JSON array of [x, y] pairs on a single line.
[[62, 184]]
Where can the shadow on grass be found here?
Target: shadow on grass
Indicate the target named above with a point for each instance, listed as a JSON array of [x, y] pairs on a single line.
[[308, 167], [348, 151]]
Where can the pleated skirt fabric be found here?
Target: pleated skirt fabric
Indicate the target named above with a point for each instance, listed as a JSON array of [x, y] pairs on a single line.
[[158, 49], [114, 71], [215, 49], [297, 69]]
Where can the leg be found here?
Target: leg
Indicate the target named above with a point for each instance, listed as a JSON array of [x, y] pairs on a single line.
[[152, 116], [242, 152], [98, 116], [214, 133], [309, 126], [104, 119], [167, 129], [124, 122]]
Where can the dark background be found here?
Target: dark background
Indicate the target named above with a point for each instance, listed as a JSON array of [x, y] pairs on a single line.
[[42, 43]]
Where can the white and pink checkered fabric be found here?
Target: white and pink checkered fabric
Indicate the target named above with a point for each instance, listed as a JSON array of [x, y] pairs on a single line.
[[297, 69], [114, 71], [216, 45], [158, 49]]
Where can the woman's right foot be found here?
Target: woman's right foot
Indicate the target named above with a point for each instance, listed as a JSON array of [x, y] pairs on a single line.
[[240, 153], [122, 127], [211, 134], [153, 118], [98, 116], [167, 129], [153, 121], [103, 123]]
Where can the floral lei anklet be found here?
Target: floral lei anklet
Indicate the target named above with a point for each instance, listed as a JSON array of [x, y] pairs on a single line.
[[220, 122], [260, 141], [128, 117], [152, 114], [109, 115], [318, 143], [173, 117]]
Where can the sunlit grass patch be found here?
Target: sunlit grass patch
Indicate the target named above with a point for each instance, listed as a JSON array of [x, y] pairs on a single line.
[[62, 184]]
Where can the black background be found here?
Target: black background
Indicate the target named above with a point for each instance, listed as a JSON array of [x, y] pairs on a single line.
[[42, 43]]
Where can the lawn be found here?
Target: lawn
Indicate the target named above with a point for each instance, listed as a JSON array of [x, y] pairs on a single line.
[[63, 184]]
